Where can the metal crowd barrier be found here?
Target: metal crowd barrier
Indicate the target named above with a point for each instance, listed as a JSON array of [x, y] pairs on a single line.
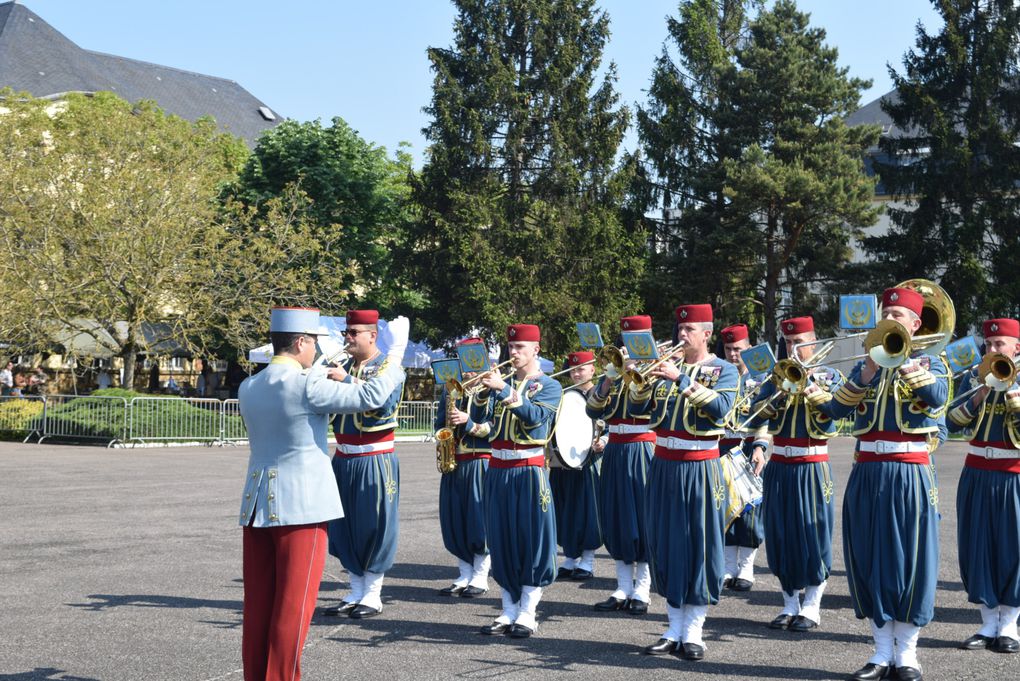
[[77, 417], [166, 419], [416, 418], [233, 429], [22, 417], [155, 419]]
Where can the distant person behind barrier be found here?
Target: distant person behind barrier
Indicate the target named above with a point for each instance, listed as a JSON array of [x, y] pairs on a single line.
[[7, 379]]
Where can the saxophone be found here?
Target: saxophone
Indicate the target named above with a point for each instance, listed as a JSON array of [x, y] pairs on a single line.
[[446, 440]]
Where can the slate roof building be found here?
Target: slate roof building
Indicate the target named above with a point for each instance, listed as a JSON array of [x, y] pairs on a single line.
[[38, 59]]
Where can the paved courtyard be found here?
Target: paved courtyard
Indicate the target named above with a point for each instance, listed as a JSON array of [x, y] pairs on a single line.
[[125, 564]]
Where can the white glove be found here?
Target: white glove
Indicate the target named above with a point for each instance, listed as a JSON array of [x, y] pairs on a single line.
[[611, 373], [399, 330]]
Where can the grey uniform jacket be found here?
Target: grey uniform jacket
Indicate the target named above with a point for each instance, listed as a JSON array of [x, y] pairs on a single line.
[[286, 411]]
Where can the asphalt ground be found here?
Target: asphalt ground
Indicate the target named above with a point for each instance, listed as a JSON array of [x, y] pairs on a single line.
[[125, 564]]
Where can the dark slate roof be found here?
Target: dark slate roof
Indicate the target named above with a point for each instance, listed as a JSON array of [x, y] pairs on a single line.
[[38, 59], [872, 113]]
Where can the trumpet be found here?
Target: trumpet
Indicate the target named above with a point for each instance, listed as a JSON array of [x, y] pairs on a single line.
[[639, 377], [455, 386], [996, 371], [790, 376]]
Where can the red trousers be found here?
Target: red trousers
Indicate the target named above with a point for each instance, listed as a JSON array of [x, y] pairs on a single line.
[[282, 570]]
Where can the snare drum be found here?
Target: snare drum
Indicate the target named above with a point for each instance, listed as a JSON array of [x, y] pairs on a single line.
[[744, 488]]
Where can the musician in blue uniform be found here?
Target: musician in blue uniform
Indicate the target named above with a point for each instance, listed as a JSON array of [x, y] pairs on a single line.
[[797, 501], [890, 503], [988, 498], [574, 490], [367, 475], [746, 533], [685, 513], [622, 482], [289, 495], [461, 516], [520, 519]]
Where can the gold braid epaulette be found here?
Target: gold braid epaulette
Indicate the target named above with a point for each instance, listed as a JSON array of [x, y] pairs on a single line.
[[848, 396]]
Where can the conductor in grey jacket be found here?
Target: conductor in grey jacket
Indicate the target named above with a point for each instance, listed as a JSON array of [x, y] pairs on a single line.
[[290, 493]]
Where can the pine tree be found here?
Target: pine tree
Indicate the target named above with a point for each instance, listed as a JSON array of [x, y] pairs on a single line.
[[746, 131], [955, 165], [519, 198]]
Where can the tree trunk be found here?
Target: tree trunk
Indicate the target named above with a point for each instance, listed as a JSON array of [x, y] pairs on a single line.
[[772, 270], [130, 355]]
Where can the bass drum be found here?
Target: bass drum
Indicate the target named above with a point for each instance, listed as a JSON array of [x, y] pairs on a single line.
[[574, 433]]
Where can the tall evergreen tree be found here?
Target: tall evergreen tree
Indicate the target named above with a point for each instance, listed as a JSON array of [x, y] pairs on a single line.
[[956, 165], [685, 140], [746, 131], [519, 198]]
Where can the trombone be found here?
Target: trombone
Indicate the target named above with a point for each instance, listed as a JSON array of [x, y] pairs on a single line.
[[890, 346]]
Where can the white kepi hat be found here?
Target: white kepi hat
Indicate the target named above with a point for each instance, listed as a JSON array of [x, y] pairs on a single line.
[[296, 320]]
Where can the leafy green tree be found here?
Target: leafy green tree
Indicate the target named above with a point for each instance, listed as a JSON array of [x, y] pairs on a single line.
[[520, 198], [355, 199], [108, 222], [746, 132], [955, 164]]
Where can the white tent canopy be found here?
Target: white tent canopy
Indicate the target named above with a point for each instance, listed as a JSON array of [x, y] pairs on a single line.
[[417, 355]]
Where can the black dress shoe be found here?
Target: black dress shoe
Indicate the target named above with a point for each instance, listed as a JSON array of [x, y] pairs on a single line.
[[521, 631], [364, 612], [611, 604], [741, 585], [661, 647], [637, 607], [343, 608], [908, 674], [694, 652], [1005, 644], [871, 672], [472, 592], [782, 622], [580, 574], [727, 583], [801, 623], [495, 629], [564, 573], [977, 642], [452, 590]]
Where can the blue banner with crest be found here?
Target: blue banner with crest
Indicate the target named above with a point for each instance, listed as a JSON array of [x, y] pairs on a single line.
[[759, 360], [589, 334], [474, 357], [445, 369], [640, 345], [963, 354], [858, 312]]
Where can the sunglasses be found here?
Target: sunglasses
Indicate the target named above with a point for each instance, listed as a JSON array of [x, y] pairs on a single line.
[[354, 332]]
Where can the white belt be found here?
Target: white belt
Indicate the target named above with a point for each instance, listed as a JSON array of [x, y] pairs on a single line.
[[689, 445], [793, 450], [629, 428], [517, 454], [994, 452], [366, 449], [889, 447]]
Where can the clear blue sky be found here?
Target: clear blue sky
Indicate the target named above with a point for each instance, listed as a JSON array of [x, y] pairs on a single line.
[[365, 60]]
